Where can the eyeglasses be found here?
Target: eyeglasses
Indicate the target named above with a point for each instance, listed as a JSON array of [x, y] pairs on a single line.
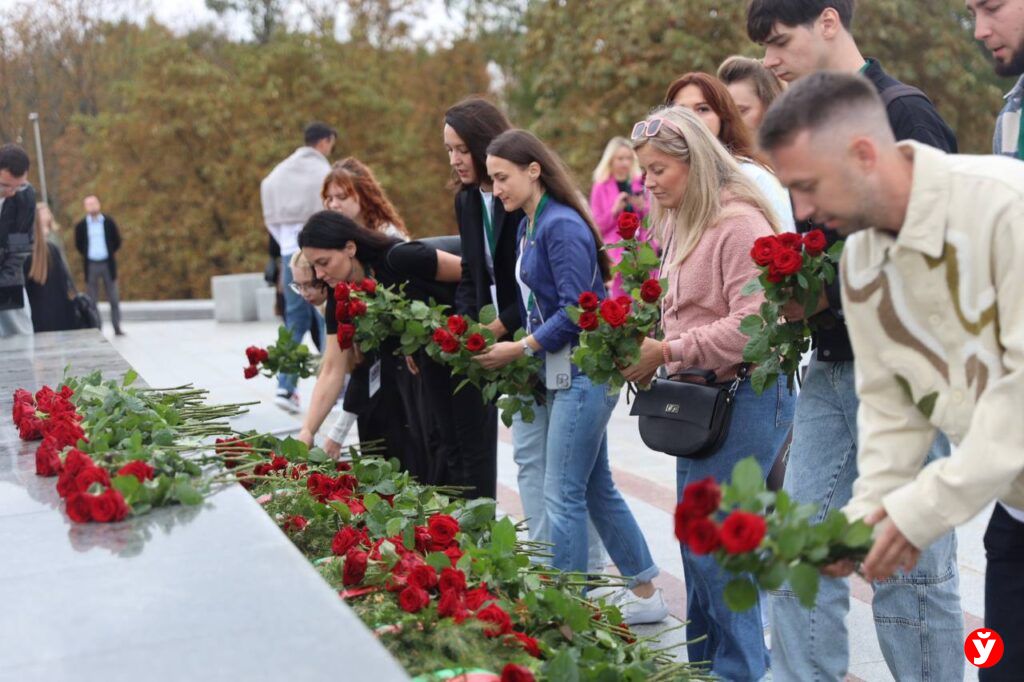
[[652, 126], [4, 187], [311, 287]]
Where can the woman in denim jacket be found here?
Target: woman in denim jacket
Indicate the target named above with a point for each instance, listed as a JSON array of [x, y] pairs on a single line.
[[560, 257]]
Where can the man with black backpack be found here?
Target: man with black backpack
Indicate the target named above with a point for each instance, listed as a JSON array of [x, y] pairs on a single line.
[[918, 617]]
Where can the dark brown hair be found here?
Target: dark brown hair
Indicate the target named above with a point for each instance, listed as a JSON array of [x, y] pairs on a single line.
[[355, 177], [762, 15], [734, 133], [522, 148], [332, 230], [477, 121]]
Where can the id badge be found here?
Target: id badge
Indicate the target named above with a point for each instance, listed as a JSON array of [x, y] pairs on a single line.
[[374, 378], [558, 369]]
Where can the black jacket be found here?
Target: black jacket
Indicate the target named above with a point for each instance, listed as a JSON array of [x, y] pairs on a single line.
[[17, 219], [912, 117], [113, 237], [474, 291]]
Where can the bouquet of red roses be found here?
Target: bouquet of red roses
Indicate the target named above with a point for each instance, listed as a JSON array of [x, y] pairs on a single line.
[[459, 339], [286, 356], [613, 329], [793, 268], [367, 314], [761, 548]]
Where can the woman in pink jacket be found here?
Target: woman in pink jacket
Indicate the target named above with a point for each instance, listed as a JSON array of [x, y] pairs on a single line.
[[618, 187]]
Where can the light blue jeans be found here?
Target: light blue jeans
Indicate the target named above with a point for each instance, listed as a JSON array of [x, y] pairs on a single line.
[[735, 641], [529, 450], [577, 482], [298, 317], [917, 615]]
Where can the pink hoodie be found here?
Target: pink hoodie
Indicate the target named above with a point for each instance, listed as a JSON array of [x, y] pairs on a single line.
[[703, 306]]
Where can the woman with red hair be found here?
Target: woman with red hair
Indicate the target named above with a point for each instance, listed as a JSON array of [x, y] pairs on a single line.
[[708, 97], [352, 190]]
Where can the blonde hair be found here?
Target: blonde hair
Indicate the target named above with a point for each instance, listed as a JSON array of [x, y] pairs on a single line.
[[299, 261], [40, 269], [604, 166], [713, 170]]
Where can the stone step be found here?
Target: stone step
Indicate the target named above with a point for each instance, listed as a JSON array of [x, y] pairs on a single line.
[[161, 311]]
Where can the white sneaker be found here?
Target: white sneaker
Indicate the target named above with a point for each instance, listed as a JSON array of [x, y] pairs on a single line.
[[288, 402], [636, 610]]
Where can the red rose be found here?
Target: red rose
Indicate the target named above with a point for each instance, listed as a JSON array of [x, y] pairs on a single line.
[[476, 343], [107, 507], [625, 301], [447, 342], [138, 469], [278, 463], [413, 599], [742, 532], [252, 354], [452, 579], [702, 536], [773, 276], [764, 250], [627, 224], [500, 623], [423, 539], [346, 334], [89, 476], [341, 292], [454, 554], [295, 523], [30, 428], [345, 539], [457, 325], [355, 505], [650, 290], [452, 604], [589, 300], [341, 311], [787, 262], [75, 461], [790, 240], [78, 508], [345, 482], [815, 242], [251, 371], [442, 530], [518, 673], [701, 498], [47, 458], [613, 313], [477, 597], [355, 567], [320, 486], [529, 643], [588, 321], [343, 466], [369, 286], [423, 576], [356, 308]]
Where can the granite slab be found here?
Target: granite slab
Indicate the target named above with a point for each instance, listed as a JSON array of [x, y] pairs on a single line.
[[215, 592]]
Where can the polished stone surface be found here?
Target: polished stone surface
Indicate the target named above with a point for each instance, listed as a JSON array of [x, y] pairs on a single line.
[[210, 593]]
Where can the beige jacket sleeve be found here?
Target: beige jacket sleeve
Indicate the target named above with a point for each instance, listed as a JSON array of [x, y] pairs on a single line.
[[990, 458]]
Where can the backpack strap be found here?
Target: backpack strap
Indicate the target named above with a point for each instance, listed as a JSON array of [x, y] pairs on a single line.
[[894, 92]]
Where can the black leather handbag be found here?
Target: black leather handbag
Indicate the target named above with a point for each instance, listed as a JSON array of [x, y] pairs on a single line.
[[86, 312], [686, 419]]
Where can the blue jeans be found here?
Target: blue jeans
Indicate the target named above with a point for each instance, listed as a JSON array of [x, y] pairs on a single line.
[[917, 614], [298, 317], [578, 481], [529, 450], [735, 641]]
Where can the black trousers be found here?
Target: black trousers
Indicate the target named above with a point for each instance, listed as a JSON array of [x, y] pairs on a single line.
[[464, 432], [1004, 594]]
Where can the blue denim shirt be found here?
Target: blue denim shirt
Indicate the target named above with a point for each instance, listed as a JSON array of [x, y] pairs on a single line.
[[1004, 141], [558, 264]]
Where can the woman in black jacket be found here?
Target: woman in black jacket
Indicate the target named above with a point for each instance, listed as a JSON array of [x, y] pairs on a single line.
[[46, 280], [488, 236]]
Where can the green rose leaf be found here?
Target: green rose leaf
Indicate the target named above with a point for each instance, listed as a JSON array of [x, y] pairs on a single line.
[[803, 578], [740, 595]]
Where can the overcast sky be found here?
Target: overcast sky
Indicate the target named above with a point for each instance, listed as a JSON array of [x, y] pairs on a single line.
[[182, 15]]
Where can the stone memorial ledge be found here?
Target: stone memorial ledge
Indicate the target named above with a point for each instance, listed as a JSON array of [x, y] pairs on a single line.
[[215, 592]]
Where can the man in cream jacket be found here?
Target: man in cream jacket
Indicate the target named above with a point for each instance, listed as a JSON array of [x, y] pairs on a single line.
[[932, 283]]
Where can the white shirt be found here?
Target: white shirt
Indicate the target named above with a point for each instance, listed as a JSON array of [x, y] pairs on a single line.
[[287, 236], [488, 199], [774, 192]]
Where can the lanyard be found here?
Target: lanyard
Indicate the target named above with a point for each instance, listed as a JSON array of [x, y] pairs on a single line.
[[488, 226], [529, 237]]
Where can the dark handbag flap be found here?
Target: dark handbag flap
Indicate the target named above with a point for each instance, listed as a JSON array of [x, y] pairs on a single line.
[[679, 401]]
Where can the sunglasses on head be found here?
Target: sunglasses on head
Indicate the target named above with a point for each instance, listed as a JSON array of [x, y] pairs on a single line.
[[652, 126]]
